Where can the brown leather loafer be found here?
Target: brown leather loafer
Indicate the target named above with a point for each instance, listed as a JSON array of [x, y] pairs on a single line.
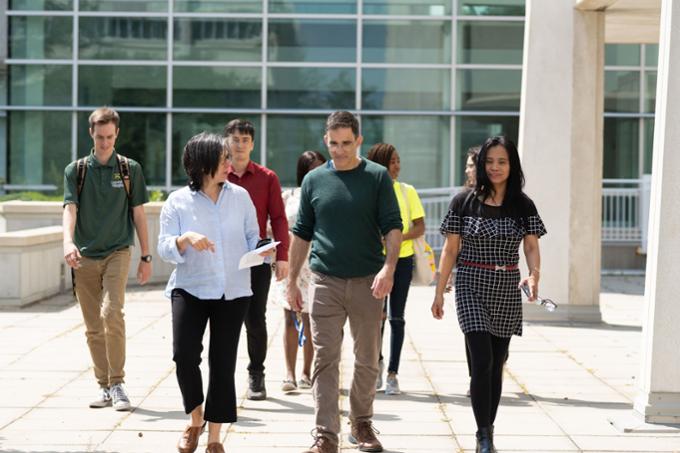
[[214, 447], [188, 443]]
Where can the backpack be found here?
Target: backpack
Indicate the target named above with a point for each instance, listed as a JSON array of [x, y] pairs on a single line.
[[123, 169]]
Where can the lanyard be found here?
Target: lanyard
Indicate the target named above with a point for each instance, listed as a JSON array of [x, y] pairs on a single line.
[[300, 327]]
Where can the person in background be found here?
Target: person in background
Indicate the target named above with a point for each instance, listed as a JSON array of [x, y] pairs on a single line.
[[264, 189], [413, 219], [205, 228], [307, 161], [484, 228]]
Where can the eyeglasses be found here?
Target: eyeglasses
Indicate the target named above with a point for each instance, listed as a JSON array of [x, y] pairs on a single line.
[[548, 304]]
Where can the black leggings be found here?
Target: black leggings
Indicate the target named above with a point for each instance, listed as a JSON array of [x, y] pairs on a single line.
[[487, 356]]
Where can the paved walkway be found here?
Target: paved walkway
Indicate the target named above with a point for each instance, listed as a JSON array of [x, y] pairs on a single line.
[[563, 385]]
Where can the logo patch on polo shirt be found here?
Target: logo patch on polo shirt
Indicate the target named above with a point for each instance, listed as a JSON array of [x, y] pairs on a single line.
[[116, 181]]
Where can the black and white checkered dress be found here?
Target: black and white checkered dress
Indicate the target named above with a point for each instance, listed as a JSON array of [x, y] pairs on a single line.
[[489, 300]]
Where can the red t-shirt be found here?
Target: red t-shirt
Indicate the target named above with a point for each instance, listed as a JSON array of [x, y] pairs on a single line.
[[265, 190]]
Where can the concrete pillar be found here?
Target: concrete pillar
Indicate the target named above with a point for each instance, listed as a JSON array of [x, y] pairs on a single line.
[[560, 143], [658, 399]]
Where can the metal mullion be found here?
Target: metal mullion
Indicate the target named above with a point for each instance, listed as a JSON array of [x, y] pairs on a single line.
[[406, 66], [39, 13], [308, 64], [169, 96], [297, 16], [490, 18], [264, 83], [123, 62], [488, 66], [622, 68], [452, 94], [217, 15], [75, 42], [358, 83], [402, 17], [230, 64], [628, 115], [36, 61], [125, 14]]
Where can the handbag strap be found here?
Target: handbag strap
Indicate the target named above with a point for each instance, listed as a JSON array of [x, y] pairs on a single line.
[[402, 186]]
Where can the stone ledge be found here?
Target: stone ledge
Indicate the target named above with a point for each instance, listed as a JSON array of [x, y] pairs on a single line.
[[33, 236]]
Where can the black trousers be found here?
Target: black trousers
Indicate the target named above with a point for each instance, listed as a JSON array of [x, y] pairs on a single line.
[[487, 356], [256, 319], [189, 318]]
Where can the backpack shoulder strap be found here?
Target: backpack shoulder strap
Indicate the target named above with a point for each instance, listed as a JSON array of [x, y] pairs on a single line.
[[81, 169], [124, 168]]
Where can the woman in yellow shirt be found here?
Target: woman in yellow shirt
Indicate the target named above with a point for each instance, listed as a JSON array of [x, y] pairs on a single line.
[[414, 227]]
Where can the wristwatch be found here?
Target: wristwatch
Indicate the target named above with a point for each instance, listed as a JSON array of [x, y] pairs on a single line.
[[146, 258]]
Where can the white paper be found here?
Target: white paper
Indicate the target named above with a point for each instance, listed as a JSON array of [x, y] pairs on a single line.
[[253, 257]]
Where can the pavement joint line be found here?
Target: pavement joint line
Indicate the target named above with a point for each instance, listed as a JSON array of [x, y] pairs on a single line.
[[78, 376], [270, 339], [580, 364], [134, 408], [435, 394], [38, 346]]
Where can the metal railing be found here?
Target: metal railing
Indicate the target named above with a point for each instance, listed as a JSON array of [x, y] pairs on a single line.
[[625, 207]]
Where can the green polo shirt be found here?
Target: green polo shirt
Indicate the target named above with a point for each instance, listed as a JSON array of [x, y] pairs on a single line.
[[104, 223]]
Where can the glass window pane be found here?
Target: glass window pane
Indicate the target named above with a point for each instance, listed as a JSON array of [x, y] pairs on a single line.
[[473, 130], [312, 40], [407, 41], [423, 143], [123, 38], [491, 7], [408, 7], [406, 89], [622, 54], [216, 87], [218, 39], [650, 91], [651, 55], [621, 91], [35, 37], [649, 145], [313, 88], [141, 137], [218, 6], [490, 42], [40, 85], [130, 86], [124, 5], [313, 6], [488, 89], [287, 137], [186, 125], [40, 5], [39, 147], [621, 154]]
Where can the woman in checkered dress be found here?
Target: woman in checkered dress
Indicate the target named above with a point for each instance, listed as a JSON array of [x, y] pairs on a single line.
[[484, 228]]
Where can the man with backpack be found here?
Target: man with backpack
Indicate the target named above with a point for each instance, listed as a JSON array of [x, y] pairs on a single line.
[[104, 195]]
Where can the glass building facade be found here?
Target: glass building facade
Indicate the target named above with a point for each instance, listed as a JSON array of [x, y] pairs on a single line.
[[432, 77]]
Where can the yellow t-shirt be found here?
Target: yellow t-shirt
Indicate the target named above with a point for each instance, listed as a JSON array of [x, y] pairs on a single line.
[[416, 212]]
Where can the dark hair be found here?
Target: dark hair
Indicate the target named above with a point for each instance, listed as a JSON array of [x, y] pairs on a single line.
[[381, 153], [201, 157], [471, 154], [104, 115], [484, 188], [342, 119], [305, 162], [240, 126]]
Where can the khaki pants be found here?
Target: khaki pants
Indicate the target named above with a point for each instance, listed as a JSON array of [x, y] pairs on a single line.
[[100, 289], [333, 301]]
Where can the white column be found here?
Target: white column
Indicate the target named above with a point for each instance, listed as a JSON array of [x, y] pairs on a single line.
[[658, 400], [560, 142]]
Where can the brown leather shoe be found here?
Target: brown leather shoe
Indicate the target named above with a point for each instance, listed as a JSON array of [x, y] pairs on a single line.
[[188, 443], [363, 435], [214, 447], [322, 445]]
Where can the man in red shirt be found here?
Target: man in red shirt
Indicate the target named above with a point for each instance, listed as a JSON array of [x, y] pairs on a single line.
[[265, 190]]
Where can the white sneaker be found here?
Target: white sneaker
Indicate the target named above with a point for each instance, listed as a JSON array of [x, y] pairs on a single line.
[[288, 385], [392, 385], [121, 402], [381, 370], [103, 398], [305, 383]]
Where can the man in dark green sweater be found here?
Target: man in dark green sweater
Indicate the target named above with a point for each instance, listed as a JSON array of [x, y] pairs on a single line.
[[347, 208]]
